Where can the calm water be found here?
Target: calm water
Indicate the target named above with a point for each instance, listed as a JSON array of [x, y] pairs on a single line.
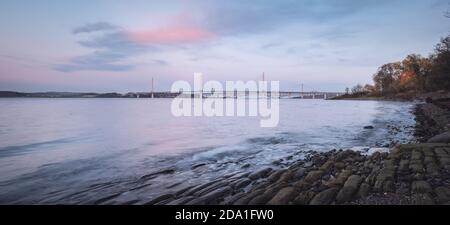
[[84, 151]]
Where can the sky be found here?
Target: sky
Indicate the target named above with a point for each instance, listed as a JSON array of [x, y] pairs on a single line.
[[119, 46]]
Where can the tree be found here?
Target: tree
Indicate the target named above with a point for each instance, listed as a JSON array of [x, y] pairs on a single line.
[[385, 77], [357, 89], [440, 66]]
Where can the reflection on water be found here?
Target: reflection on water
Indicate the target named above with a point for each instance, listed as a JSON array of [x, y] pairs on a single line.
[[129, 150]]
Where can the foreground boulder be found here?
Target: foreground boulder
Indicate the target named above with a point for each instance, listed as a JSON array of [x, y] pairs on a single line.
[[440, 138]]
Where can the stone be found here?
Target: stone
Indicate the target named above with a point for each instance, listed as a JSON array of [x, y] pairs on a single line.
[[341, 178], [368, 127], [442, 194], [283, 196], [420, 187], [304, 198], [212, 197], [388, 186], [260, 174], [241, 183], [299, 174], [260, 200], [440, 138], [403, 165], [325, 197], [364, 190], [160, 199], [327, 165], [181, 201], [423, 199], [349, 189], [275, 175], [314, 175]]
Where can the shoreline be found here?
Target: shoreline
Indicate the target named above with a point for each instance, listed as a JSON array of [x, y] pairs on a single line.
[[408, 174]]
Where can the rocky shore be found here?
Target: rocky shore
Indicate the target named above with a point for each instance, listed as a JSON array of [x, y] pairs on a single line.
[[406, 174]]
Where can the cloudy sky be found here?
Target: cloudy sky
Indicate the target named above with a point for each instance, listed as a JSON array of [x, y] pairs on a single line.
[[114, 45]]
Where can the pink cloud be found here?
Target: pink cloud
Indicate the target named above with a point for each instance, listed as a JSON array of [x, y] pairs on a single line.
[[171, 35]]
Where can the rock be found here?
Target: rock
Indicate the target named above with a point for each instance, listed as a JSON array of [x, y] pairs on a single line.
[[314, 175], [327, 165], [440, 138], [341, 178], [423, 199], [212, 188], [241, 183], [198, 165], [308, 164], [246, 198], [368, 127], [275, 175], [181, 201], [159, 199], [286, 177], [284, 196], [420, 187], [388, 186], [277, 162], [299, 174], [212, 197], [442, 194], [339, 165], [304, 198], [155, 174], [325, 197], [260, 200], [349, 189], [260, 174], [364, 190], [403, 165]]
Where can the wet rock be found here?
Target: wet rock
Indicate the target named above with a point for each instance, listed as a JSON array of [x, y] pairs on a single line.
[[341, 178], [327, 165], [349, 189], [420, 187], [260, 200], [388, 186], [304, 198], [160, 199], [286, 177], [248, 197], [299, 174], [212, 197], [260, 174], [403, 165], [195, 189], [211, 188], [442, 194], [364, 190], [181, 201], [155, 174], [198, 165], [440, 138], [243, 182], [314, 175], [368, 127], [283, 196], [339, 165], [325, 197], [275, 175], [277, 162], [423, 199]]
